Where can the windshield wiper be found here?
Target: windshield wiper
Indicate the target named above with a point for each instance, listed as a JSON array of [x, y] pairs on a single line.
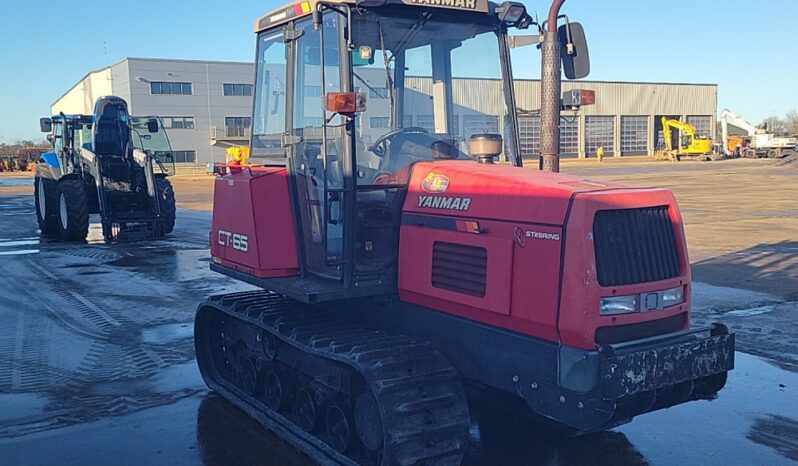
[[369, 86], [408, 37], [388, 80]]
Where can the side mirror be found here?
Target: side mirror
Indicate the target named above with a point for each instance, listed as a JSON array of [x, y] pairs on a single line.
[[152, 125], [46, 125], [575, 57]]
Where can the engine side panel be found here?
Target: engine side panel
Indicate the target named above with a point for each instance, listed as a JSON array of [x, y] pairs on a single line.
[[520, 274], [495, 257]]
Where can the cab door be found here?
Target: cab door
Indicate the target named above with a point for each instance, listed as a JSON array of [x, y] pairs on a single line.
[[318, 147]]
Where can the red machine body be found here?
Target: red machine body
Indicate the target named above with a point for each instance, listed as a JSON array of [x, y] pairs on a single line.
[[540, 276]]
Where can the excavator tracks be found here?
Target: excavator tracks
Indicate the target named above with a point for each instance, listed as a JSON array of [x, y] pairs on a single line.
[[336, 390]]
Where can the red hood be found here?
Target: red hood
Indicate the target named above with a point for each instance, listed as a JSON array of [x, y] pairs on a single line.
[[497, 192]]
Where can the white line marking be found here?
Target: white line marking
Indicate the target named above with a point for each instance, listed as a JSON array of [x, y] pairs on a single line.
[[19, 252], [6, 244]]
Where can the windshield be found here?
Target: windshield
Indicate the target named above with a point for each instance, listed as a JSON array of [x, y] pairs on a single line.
[[417, 108], [269, 120], [157, 143]]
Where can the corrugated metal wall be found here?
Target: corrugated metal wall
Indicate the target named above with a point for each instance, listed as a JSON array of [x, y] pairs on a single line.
[[612, 99]]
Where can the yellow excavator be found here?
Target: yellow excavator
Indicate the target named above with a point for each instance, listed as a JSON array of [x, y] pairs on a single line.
[[689, 145]]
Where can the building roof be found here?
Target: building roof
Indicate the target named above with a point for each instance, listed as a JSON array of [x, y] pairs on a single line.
[[181, 60], [223, 62]]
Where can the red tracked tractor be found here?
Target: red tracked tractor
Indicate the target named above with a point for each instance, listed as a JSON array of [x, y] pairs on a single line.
[[404, 273]]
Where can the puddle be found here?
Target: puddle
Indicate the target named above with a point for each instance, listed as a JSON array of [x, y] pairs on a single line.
[[164, 334], [722, 429], [21, 405], [178, 377], [8, 182]]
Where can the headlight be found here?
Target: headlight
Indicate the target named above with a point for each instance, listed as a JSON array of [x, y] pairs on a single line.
[[673, 297], [618, 305]]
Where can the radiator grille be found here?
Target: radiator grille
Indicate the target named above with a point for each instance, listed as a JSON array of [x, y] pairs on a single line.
[[459, 268], [634, 246]]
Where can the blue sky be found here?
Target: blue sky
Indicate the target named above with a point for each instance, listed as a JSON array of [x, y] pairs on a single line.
[[44, 51]]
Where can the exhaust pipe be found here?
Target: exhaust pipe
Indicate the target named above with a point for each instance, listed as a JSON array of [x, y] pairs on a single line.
[[550, 89]]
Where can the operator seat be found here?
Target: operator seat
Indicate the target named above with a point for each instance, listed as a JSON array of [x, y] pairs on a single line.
[[112, 132], [111, 142]]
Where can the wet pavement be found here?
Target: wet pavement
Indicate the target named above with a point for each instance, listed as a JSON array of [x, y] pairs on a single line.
[[6, 182], [97, 367]]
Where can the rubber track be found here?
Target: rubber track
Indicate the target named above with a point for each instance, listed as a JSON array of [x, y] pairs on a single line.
[[424, 408]]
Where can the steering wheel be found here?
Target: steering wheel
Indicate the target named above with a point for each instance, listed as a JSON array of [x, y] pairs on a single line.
[[379, 148]]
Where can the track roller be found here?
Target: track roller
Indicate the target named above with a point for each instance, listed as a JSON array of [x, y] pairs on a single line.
[[340, 392]]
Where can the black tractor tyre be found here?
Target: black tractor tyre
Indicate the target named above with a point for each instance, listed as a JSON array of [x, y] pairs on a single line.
[[73, 210], [45, 199], [166, 199]]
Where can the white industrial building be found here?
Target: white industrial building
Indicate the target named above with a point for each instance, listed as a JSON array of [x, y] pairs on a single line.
[[203, 104], [206, 105]]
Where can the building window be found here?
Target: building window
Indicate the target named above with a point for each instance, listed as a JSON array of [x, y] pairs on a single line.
[[426, 122], [184, 156], [634, 134], [238, 89], [178, 122], [702, 124], [378, 92], [312, 91], [237, 127], [161, 87], [473, 124], [569, 136], [379, 122], [529, 134], [599, 132]]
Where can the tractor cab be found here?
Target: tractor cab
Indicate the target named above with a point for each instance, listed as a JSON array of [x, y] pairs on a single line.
[[148, 135], [109, 163], [348, 97]]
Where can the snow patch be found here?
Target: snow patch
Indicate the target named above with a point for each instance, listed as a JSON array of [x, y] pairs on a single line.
[[754, 311], [723, 297]]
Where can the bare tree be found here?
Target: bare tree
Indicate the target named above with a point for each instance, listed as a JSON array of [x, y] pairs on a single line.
[[774, 125], [791, 119]]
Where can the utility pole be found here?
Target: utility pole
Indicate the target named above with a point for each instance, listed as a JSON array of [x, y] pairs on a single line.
[[550, 90]]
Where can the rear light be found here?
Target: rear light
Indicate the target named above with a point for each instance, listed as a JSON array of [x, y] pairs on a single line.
[[652, 301], [672, 297], [345, 102], [576, 98], [618, 305]]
